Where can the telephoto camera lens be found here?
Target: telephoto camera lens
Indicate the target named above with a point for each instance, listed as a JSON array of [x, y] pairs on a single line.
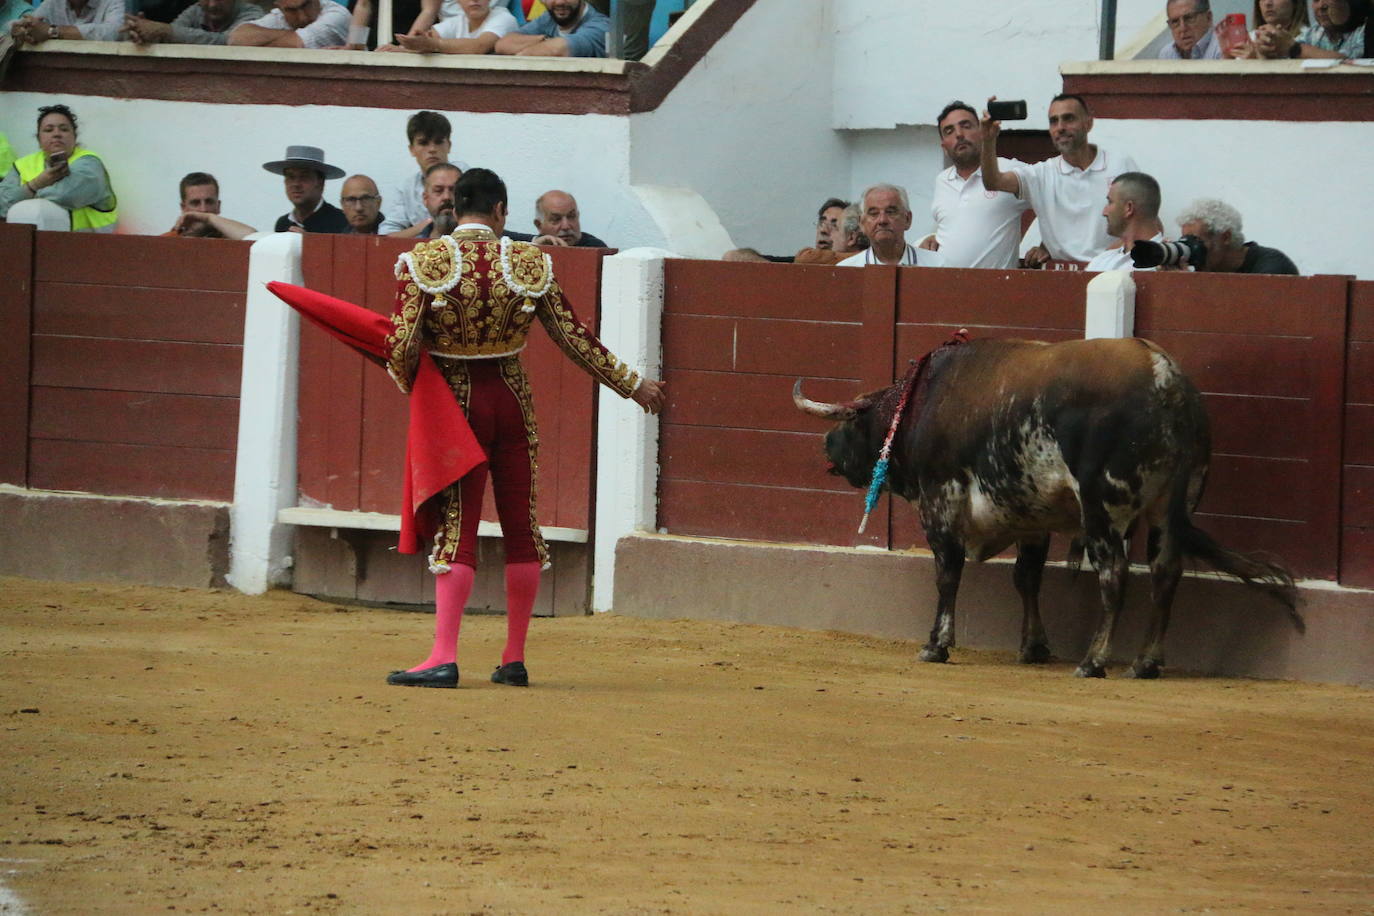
[[1187, 250]]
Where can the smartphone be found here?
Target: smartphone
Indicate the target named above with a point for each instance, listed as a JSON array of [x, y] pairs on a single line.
[[56, 159], [1007, 111]]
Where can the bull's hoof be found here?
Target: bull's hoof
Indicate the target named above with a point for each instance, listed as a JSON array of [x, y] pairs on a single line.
[[1035, 655], [934, 654], [1145, 669], [1087, 669]]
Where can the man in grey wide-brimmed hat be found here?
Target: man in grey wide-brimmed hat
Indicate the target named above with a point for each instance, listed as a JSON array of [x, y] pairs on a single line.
[[305, 172]]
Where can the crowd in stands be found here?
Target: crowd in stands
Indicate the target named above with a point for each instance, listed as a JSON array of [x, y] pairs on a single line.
[[1279, 29], [547, 28]]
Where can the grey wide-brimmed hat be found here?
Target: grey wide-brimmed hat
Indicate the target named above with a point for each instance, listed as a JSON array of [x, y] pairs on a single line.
[[304, 157]]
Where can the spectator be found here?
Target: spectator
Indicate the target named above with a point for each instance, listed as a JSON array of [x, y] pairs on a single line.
[[440, 196], [557, 222], [199, 193], [430, 137], [6, 155], [974, 227], [72, 20], [362, 205], [305, 172], [1132, 214], [638, 16], [474, 32], [846, 240], [570, 28], [207, 22], [1218, 226], [11, 10], [1286, 17], [62, 186], [296, 24], [1065, 191], [827, 226], [408, 17], [886, 216], [1190, 24], [1339, 31]]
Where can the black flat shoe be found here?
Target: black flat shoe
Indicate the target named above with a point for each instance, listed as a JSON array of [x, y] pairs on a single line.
[[438, 676], [512, 675]]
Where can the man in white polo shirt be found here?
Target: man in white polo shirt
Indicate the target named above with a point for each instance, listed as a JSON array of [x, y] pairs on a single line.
[[974, 226], [885, 217], [1132, 214], [1067, 191], [296, 24]]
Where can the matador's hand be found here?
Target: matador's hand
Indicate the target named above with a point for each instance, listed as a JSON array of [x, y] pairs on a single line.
[[649, 395]]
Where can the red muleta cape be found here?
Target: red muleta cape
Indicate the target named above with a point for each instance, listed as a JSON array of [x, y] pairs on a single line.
[[440, 446]]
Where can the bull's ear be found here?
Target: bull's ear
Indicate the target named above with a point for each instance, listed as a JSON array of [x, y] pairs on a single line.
[[820, 409]]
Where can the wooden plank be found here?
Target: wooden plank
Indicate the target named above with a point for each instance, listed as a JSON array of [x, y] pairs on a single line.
[[133, 470], [16, 317], [136, 418], [1260, 426], [1244, 363], [745, 401], [983, 300], [754, 290], [1359, 434], [916, 340], [1358, 510], [1279, 488], [135, 365], [1221, 303], [1327, 306], [786, 459], [759, 513], [1357, 557], [725, 343], [139, 312], [369, 444], [1296, 544], [1362, 310], [1359, 372], [125, 260]]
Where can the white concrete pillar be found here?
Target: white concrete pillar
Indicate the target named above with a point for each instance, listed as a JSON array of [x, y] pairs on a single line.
[[265, 468], [627, 438], [1110, 309]]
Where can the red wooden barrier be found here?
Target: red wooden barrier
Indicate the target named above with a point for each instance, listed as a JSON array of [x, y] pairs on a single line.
[[353, 418], [1269, 354], [134, 364], [1357, 531], [16, 317]]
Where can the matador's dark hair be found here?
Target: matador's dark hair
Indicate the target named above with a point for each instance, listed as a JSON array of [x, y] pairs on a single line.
[[479, 191]]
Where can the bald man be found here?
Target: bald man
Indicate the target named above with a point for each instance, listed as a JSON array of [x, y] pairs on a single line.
[[362, 205], [557, 222]]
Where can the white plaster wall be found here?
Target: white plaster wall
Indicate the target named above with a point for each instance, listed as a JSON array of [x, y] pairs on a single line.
[[907, 156], [749, 128], [1318, 213], [149, 145]]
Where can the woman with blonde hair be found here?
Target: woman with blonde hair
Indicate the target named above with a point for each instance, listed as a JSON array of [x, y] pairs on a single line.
[[1284, 17]]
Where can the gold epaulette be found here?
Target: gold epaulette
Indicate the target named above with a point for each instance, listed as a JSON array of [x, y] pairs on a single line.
[[528, 271], [433, 264]]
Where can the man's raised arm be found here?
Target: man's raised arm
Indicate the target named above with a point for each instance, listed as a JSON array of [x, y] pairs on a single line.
[[994, 179]]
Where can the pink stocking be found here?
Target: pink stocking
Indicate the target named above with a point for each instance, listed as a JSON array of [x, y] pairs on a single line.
[[451, 591], [522, 585]]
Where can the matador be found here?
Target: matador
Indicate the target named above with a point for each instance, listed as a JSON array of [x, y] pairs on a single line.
[[465, 303]]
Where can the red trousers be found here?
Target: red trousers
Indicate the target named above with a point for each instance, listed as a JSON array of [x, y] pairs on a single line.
[[496, 398]]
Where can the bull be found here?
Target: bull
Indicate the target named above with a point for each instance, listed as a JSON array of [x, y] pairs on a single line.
[[1009, 441]]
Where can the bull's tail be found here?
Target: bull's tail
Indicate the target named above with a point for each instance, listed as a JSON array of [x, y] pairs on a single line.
[[1254, 570]]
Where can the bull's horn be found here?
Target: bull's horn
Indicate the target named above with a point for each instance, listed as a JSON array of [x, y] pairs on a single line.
[[817, 409]]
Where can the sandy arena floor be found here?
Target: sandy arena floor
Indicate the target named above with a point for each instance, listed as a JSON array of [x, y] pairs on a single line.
[[176, 750]]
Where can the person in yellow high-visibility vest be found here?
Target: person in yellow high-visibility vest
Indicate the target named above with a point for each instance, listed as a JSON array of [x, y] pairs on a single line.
[[62, 185]]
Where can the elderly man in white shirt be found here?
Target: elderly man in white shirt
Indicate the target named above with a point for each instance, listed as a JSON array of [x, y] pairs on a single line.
[[1065, 191], [885, 217], [1132, 214], [974, 227], [296, 24]]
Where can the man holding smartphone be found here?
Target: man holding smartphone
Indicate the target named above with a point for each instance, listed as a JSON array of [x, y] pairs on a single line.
[[1067, 191]]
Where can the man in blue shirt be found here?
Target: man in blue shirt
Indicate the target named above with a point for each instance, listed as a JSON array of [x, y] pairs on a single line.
[[570, 28]]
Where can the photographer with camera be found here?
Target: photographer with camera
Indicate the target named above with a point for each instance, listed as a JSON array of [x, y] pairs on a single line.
[[1212, 241], [1132, 213], [62, 186]]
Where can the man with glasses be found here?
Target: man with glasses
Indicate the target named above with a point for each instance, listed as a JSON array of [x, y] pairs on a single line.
[[362, 205], [1190, 24], [885, 218]]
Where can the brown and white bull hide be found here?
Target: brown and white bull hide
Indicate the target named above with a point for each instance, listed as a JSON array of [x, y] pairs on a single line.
[[1014, 440]]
